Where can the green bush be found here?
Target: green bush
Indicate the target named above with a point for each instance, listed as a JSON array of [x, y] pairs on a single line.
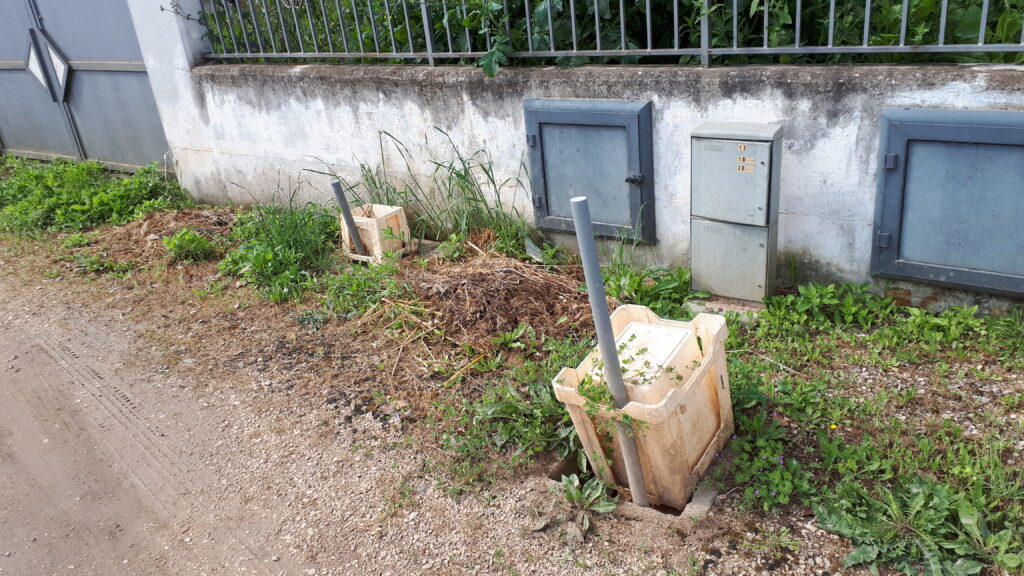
[[190, 246], [62, 195], [283, 248]]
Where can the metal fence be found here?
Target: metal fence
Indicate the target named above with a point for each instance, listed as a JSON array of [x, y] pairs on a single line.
[[579, 31]]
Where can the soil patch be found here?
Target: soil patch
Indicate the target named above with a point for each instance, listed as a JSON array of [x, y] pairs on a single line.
[[142, 240], [476, 300]]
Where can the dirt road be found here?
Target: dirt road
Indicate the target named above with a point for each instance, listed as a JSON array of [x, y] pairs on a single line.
[[102, 463]]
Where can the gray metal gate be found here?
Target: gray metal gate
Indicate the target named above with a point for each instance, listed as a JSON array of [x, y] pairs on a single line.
[[73, 84]]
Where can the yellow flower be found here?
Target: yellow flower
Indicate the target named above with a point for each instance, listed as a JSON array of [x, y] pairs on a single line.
[[833, 426]]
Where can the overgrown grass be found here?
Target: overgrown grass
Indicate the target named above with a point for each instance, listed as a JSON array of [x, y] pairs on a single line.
[[518, 417], [907, 493], [283, 249], [37, 196], [665, 291], [461, 201], [189, 245]]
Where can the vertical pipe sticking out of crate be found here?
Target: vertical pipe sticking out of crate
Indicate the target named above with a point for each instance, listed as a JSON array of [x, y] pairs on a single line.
[[350, 224], [606, 343]]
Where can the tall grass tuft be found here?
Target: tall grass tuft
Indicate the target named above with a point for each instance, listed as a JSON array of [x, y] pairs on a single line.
[[462, 200], [283, 247]]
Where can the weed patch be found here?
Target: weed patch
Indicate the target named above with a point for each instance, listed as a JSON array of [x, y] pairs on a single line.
[[36, 197], [190, 246], [515, 419], [908, 491], [355, 289], [99, 263], [283, 248], [664, 291]]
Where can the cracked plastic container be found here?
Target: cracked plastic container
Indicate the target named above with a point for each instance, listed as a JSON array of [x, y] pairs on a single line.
[[678, 389]]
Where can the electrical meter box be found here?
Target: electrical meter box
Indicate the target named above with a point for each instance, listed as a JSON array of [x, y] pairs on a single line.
[[734, 208]]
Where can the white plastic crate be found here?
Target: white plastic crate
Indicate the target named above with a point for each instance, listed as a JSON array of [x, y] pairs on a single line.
[[678, 391]]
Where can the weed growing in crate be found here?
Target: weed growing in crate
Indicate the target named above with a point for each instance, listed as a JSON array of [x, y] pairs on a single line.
[[284, 248], [190, 246], [36, 197]]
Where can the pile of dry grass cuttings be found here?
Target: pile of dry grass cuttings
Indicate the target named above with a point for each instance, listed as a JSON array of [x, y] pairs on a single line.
[[141, 240], [475, 300]]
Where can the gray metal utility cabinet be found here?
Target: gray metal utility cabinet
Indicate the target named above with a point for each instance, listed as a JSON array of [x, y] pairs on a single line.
[[734, 208], [601, 149]]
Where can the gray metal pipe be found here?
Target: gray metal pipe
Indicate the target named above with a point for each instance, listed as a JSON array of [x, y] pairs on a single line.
[[346, 214], [606, 343]]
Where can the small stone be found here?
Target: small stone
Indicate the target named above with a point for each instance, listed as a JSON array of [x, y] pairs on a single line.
[[701, 502], [275, 558], [540, 524], [573, 533]]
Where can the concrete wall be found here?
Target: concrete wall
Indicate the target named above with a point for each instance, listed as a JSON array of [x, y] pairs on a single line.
[[240, 132]]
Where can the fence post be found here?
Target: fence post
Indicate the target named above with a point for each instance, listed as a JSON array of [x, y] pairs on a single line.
[[428, 31], [705, 35]]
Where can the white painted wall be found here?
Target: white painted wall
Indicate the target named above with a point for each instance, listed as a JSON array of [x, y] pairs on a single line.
[[238, 133]]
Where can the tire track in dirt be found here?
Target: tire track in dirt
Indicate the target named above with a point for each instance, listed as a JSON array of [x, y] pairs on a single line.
[[113, 478], [145, 458], [145, 455]]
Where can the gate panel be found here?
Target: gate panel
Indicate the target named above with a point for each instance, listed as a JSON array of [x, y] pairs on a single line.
[[96, 101], [115, 123], [31, 122], [108, 91], [97, 30]]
